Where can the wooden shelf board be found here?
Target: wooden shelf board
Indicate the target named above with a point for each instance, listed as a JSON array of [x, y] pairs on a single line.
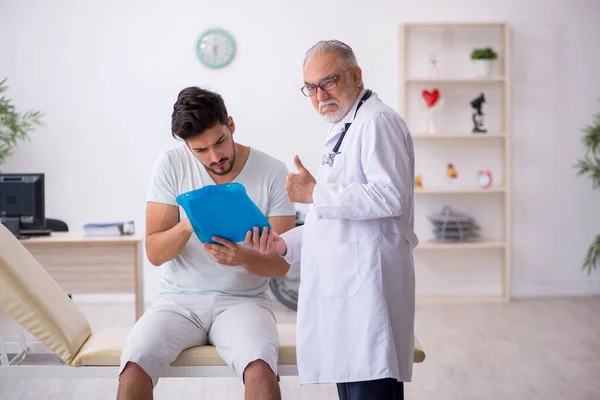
[[459, 190], [476, 136], [465, 80], [461, 299], [453, 24], [428, 245]]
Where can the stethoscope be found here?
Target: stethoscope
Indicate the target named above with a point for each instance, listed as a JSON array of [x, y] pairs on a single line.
[[329, 157]]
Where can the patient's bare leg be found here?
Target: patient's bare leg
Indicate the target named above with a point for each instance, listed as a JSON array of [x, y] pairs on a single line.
[[134, 383], [260, 381]]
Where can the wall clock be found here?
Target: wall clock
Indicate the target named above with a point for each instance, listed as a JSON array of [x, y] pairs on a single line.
[[215, 48], [484, 179]]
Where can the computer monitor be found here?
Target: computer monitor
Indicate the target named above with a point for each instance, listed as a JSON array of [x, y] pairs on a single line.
[[22, 204]]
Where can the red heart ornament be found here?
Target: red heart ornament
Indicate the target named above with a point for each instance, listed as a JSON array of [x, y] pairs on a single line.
[[431, 97]]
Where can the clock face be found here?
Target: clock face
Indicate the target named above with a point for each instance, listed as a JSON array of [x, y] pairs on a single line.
[[484, 179], [215, 48]]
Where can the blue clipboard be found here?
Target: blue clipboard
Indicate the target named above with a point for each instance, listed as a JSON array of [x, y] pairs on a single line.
[[224, 211]]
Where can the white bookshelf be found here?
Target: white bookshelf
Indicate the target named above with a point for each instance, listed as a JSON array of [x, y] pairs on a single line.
[[472, 271]]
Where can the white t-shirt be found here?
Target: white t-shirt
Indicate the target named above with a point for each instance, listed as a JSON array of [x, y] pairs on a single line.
[[193, 271]]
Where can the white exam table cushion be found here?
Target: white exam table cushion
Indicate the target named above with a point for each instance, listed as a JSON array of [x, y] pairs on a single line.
[[30, 296]]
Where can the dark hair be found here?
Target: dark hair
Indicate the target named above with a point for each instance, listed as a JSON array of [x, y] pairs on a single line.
[[195, 111]]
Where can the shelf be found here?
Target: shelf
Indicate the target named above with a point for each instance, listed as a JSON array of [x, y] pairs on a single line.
[[461, 299], [460, 246], [459, 190], [494, 79], [475, 136], [450, 24], [418, 42]]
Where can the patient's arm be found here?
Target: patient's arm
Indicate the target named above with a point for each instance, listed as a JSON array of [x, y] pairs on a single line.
[[165, 234]]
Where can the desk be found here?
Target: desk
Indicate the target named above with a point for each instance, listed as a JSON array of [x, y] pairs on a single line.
[[92, 265]]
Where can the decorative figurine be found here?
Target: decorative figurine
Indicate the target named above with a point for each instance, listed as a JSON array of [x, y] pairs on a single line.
[[477, 114], [451, 173], [433, 101], [484, 178], [419, 181]]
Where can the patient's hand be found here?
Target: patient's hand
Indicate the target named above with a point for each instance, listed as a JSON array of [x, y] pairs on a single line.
[[228, 253], [267, 243]]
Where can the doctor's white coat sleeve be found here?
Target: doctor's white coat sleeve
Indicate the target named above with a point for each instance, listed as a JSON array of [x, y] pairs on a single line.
[[387, 162], [293, 241]]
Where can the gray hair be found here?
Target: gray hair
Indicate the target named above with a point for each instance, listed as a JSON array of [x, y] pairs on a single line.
[[342, 51]]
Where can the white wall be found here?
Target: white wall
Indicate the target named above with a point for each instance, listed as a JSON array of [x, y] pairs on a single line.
[[107, 73]]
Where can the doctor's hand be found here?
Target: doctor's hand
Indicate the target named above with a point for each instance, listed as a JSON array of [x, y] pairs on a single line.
[[266, 243], [227, 252], [299, 186]]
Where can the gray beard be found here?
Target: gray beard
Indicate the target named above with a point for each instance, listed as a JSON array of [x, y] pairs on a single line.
[[339, 115], [345, 107]]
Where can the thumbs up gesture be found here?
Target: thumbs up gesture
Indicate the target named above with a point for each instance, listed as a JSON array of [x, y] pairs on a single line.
[[299, 186]]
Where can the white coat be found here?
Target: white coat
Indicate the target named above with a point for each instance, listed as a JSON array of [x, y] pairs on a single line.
[[356, 301]]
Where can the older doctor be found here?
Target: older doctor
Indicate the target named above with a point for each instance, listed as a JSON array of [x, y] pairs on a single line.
[[357, 293]]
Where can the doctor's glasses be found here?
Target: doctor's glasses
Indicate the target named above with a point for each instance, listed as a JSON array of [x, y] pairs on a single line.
[[325, 85]]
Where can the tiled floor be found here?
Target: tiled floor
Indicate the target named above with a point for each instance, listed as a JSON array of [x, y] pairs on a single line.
[[531, 349]]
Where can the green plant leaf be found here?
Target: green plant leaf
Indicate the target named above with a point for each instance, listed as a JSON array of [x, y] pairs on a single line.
[[592, 258], [14, 126], [591, 140], [486, 53], [589, 166]]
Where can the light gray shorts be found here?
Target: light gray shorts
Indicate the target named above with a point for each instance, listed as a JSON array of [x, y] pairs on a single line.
[[242, 329]]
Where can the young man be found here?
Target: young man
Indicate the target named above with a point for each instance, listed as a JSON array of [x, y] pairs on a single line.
[[209, 294]]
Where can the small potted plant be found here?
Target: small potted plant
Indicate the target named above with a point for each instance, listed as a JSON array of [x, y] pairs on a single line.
[[14, 126], [483, 59]]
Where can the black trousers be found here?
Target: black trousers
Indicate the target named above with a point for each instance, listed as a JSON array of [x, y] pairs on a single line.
[[380, 389]]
